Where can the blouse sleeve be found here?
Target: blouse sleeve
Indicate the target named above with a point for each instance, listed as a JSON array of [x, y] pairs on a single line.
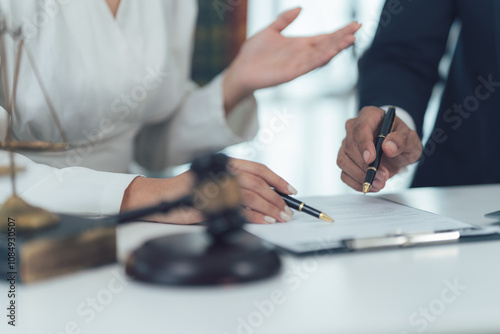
[[199, 126]]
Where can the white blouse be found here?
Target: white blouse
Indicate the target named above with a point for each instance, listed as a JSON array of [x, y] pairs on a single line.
[[121, 89]]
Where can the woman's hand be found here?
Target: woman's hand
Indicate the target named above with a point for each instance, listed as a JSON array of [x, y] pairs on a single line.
[[260, 204], [269, 59], [144, 192]]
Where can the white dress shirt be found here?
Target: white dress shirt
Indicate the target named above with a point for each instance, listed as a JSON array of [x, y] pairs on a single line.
[[121, 89]]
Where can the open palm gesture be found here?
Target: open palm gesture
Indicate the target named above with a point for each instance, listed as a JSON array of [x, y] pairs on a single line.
[[269, 58]]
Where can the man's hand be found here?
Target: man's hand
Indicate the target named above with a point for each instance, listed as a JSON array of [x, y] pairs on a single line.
[[401, 148]]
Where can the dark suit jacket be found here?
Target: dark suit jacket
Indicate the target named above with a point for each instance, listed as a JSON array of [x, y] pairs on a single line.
[[401, 68]]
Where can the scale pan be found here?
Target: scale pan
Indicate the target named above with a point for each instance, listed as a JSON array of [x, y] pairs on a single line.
[[33, 146], [27, 217], [6, 170]]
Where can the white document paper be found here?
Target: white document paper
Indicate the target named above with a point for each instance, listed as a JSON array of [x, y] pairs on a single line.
[[356, 216]]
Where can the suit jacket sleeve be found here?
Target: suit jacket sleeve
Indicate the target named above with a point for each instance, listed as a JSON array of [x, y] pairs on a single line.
[[401, 66]]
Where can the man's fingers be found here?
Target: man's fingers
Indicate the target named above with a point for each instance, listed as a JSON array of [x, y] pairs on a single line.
[[358, 186], [350, 167], [402, 141], [285, 19], [351, 149], [355, 175], [382, 174], [396, 143], [415, 147], [354, 184], [362, 135], [365, 130], [358, 148], [401, 148]]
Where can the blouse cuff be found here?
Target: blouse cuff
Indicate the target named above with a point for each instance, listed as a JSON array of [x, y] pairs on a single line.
[[112, 194], [73, 190], [242, 122]]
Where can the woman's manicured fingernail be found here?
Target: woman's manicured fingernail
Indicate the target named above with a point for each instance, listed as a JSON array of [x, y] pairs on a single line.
[[285, 216], [288, 211], [366, 156], [269, 220], [292, 190], [391, 146]]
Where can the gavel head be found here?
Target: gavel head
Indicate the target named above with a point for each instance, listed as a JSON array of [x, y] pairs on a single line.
[[217, 194]]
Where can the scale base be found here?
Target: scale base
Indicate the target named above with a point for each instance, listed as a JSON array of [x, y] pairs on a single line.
[[195, 259]]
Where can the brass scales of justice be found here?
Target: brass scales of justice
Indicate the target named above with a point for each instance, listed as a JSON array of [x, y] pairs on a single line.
[[27, 216]]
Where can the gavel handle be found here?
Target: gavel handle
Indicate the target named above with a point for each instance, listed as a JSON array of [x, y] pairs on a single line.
[[162, 207]]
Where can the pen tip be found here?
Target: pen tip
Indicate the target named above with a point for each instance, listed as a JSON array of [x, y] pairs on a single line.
[[366, 187], [325, 217]]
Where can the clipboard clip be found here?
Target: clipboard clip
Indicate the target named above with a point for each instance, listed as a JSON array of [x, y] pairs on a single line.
[[400, 240]]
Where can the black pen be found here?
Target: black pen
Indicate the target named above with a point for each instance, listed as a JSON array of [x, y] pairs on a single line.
[[385, 129], [303, 207]]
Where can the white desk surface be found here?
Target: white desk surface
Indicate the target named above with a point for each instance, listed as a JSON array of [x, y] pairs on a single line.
[[392, 291]]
